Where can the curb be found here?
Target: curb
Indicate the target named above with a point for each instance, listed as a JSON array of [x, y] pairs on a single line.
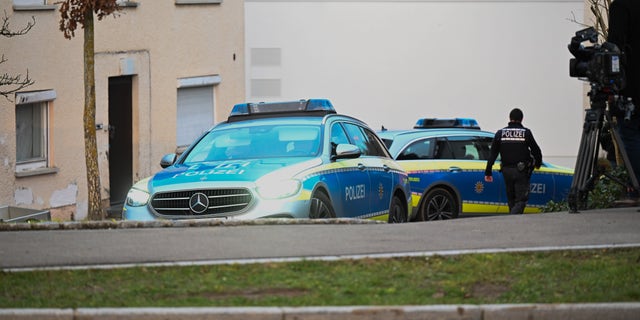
[[188, 223], [595, 311]]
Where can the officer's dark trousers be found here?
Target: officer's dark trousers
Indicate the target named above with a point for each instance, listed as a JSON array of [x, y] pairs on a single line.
[[517, 185]]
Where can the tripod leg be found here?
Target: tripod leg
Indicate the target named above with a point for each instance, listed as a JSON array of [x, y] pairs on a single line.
[[584, 175], [623, 152]]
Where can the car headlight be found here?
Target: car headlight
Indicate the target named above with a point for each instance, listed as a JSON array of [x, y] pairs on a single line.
[[277, 188], [137, 198]]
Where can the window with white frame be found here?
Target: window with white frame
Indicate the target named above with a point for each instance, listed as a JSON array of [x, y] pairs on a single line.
[[32, 130]]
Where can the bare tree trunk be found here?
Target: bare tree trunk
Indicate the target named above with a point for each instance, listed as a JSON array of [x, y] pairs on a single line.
[[90, 144]]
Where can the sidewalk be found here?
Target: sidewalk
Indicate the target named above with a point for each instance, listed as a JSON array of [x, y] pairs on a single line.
[[596, 311], [609, 227]]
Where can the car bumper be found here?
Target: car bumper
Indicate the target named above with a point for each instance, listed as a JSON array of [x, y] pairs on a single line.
[[277, 208]]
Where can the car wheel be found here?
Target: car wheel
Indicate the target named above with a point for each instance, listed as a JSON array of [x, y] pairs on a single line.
[[397, 213], [321, 207], [439, 204]]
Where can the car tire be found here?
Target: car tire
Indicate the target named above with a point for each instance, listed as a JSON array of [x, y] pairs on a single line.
[[397, 212], [321, 207], [439, 204]]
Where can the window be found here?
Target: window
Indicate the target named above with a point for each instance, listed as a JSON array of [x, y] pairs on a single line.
[[463, 148], [365, 140], [338, 136], [266, 88], [32, 130], [194, 108], [422, 149], [127, 3], [27, 5], [29, 2], [271, 57], [198, 2], [443, 150]]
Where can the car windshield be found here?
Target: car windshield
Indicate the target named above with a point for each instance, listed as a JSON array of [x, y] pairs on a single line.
[[268, 141]]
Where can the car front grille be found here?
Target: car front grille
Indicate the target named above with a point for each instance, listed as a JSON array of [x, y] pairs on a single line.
[[193, 203]]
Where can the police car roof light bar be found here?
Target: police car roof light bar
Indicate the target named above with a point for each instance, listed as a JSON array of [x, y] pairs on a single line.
[[433, 123], [324, 106]]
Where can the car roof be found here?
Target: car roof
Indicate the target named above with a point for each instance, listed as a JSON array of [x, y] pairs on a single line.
[[401, 138], [416, 133]]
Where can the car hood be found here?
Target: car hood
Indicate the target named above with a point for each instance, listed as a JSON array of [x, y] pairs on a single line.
[[226, 171]]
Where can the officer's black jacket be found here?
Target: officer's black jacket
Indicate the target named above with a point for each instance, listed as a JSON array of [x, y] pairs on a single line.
[[514, 143]]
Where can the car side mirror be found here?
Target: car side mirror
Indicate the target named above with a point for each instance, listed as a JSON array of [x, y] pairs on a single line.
[[168, 160], [346, 151]]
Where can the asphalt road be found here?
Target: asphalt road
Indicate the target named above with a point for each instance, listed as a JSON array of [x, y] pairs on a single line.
[[107, 247]]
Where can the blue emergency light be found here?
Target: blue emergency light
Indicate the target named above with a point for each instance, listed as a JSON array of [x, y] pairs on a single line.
[[434, 123], [310, 105]]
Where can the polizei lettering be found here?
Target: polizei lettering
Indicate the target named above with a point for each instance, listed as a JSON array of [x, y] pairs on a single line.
[[356, 192], [231, 167], [513, 134]]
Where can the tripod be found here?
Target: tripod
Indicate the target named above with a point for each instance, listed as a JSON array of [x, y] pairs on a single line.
[[587, 172]]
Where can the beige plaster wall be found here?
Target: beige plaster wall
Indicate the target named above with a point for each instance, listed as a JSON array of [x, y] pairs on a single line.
[[162, 41]]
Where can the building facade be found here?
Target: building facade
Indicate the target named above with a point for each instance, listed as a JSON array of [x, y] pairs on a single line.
[[165, 72]]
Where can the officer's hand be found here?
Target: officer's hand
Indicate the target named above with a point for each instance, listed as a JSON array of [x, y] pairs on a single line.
[[488, 178]]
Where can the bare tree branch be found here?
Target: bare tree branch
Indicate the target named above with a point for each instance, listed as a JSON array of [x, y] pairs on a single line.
[[10, 84], [600, 11], [6, 31], [16, 83]]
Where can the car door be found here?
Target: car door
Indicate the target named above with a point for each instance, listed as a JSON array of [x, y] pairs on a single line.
[[467, 157], [351, 197], [375, 158], [541, 189]]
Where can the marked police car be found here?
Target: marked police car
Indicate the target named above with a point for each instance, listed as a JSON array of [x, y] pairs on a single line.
[[297, 159], [446, 159]]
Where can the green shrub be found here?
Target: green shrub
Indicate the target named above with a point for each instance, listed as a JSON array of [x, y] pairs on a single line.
[[605, 192]]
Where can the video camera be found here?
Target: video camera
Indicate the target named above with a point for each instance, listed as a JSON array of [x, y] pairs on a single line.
[[601, 65]]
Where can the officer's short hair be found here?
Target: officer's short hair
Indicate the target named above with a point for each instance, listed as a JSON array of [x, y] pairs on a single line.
[[516, 115]]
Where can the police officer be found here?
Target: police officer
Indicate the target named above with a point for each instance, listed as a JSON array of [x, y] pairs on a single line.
[[519, 154]]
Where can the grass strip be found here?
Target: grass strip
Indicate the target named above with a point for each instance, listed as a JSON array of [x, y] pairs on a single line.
[[584, 276]]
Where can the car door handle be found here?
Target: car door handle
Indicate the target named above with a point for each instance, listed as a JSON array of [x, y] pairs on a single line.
[[361, 167], [455, 169], [386, 168]]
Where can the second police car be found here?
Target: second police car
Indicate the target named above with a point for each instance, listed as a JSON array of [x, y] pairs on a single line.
[[297, 159], [446, 159]]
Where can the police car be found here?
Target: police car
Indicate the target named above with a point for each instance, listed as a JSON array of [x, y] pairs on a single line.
[[296, 159], [446, 159]]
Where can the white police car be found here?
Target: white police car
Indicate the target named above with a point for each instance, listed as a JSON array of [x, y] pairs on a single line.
[[446, 159], [296, 159]]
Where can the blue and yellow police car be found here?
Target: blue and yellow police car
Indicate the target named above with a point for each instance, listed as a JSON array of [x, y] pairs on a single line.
[[446, 159], [294, 159]]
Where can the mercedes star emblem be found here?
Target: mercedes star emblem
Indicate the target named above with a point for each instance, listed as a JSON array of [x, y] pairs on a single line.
[[199, 203]]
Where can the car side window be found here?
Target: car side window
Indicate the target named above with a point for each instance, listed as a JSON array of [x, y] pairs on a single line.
[[365, 140], [338, 136], [375, 147], [443, 150], [422, 149], [483, 144], [469, 148]]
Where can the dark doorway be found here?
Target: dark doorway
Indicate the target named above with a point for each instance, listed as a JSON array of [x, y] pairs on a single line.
[[120, 144]]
